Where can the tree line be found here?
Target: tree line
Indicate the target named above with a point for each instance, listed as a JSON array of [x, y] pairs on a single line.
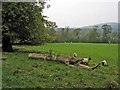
[[92, 35]]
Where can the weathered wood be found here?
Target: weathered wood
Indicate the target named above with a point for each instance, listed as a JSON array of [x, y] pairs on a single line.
[[73, 61], [63, 60], [37, 56], [59, 59], [70, 61], [51, 57], [87, 67]]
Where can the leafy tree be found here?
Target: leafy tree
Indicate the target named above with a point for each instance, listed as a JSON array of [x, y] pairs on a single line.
[[51, 36], [118, 41], [65, 34], [94, 34], [107, 29], [22, 20], [76, 33], [84, 37], [69, 35], [114, 37]]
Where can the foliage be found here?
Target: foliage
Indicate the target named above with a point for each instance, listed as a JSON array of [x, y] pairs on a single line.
[[20, 20], [94, 34], [23, 22], [106, 32], [51, 35], [76, 34], [66, 35]]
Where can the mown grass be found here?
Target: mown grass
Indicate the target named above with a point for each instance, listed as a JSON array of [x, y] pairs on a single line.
[[19, 73]]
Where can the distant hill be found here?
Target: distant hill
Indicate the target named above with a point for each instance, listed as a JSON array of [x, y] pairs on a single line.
[[86, 28], [113, 25]]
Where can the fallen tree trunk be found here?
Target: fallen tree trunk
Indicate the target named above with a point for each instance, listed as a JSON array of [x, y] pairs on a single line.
[[37, 56], [65, 60], [85, 66]]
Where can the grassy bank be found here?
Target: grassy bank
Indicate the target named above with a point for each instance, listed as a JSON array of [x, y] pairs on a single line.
[[19, 73]]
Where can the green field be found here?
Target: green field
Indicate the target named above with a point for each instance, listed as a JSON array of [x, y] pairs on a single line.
[[19, 73]]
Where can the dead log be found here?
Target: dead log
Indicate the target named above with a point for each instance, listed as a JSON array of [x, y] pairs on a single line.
[[51, 57], [87, 67], [37, 56], [63, 60], [73, 61]]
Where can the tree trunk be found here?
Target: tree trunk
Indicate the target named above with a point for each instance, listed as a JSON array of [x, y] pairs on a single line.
[[6, 44]]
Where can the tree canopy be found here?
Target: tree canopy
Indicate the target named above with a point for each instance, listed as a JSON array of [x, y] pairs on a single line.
[[107, 29], [23, 22]]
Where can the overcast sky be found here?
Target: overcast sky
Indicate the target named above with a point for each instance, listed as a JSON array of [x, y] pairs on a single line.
[[77, 13]]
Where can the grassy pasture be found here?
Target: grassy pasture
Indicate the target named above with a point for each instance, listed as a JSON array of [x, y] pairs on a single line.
[[19, 73]]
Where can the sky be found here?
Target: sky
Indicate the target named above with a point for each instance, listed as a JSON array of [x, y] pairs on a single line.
[[78, 13]]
